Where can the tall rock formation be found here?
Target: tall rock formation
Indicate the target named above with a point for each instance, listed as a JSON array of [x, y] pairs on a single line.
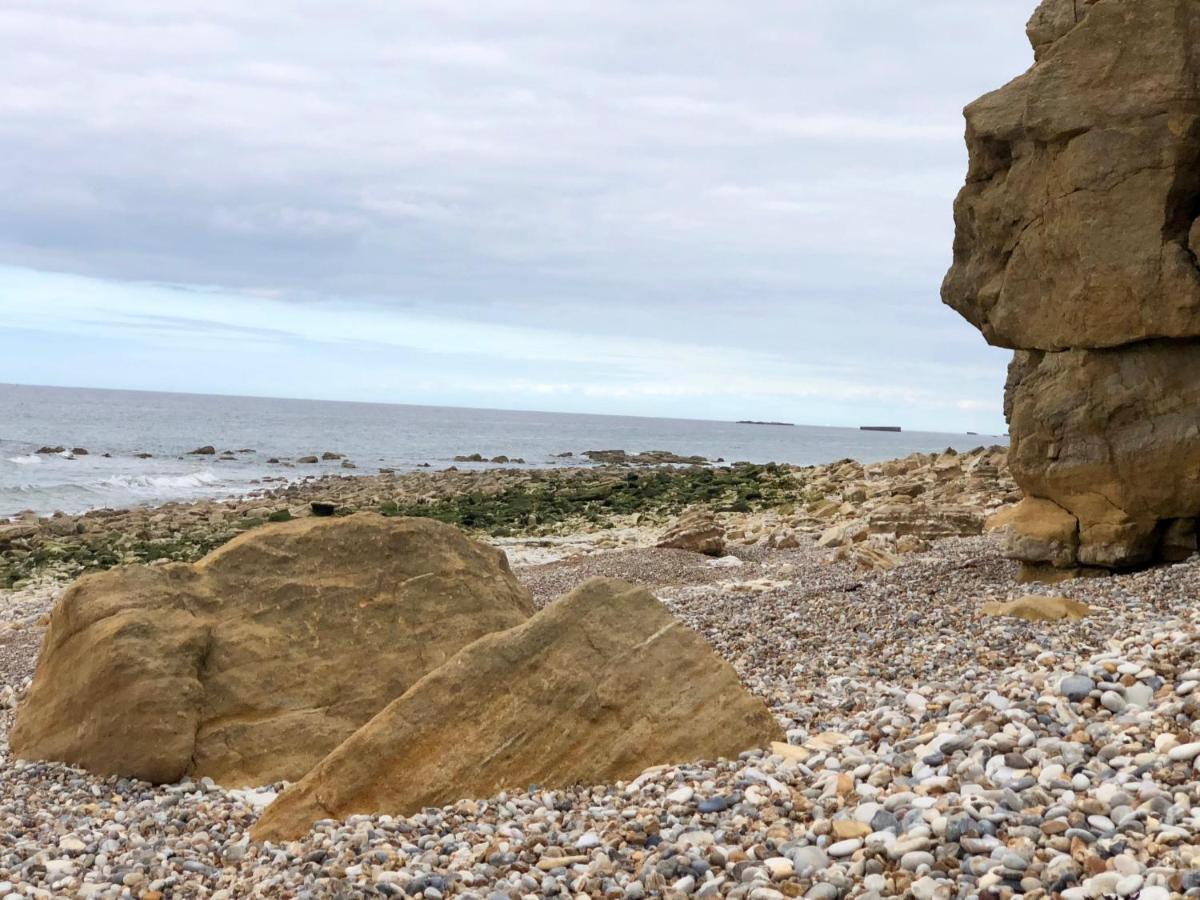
[[1076, 244]]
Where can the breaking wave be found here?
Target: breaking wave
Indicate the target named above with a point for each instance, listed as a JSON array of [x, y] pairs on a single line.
[[156, 483], [114, 491]]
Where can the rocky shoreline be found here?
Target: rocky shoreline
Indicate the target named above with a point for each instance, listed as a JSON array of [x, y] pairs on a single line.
[[935, 751], [924, 495]]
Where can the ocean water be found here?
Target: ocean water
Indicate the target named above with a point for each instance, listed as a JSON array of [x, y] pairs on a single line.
[[373, 435]]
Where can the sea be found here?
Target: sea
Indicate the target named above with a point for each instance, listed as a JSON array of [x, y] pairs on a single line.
[[115, 427]]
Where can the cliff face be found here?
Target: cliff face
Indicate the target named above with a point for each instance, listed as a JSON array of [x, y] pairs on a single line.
[[1076, 244]]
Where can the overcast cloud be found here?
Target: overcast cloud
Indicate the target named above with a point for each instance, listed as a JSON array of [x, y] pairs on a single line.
[[708, 209]]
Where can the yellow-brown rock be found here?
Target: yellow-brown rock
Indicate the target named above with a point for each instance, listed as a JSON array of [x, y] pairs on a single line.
[[596, 687], [1077, 243], [1038, 531], [845, 829], [920, 520], [867, 556], [1074, 227], [251, 665], [1113, 438], [1034, 608], [698, 531]]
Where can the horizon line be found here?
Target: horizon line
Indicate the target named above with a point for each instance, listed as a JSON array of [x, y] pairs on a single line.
[[288, 399]]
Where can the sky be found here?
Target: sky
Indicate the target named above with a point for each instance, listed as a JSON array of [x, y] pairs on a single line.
[[701, 209]]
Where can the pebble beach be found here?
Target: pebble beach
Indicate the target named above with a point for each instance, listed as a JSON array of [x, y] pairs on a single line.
[[297, 649], [933, 752]]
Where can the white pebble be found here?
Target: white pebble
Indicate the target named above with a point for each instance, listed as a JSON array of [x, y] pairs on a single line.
[[843, 848], [1184, 752]]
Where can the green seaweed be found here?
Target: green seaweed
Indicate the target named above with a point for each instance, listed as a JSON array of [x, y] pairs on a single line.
[[669, 491], [536, 507]]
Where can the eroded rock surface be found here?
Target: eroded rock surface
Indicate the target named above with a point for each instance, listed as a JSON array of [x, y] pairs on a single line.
[[698, 531], [1074, 228], [596, 687], [1113, 437], [1076, 244], [252, 664]]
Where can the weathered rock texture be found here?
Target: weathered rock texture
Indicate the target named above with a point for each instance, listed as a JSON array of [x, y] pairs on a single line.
[[1037, 608], [251, 665], [1076, 244], [596, 687], [696, 530]]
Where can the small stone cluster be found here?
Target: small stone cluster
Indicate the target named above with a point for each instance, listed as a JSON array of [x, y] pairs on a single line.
[[870, 514]]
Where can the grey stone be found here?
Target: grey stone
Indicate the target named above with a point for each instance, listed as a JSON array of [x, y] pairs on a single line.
[[1076, 687]]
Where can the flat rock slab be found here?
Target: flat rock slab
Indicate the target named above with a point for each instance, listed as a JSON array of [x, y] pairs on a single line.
[[1035, 608], [597, 687], [1077, 244], [254, 663]]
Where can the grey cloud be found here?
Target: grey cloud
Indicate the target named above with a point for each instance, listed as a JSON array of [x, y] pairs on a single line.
[[542, 158], [236, 145]]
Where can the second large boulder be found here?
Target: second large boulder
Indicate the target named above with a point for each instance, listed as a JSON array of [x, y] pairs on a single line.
[[596, 687]]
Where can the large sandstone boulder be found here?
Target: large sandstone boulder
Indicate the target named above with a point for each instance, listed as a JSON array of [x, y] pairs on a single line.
[[596, 687], [1076, 243], [251, 665]]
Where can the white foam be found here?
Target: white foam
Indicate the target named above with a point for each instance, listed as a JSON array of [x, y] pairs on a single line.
[[31, 460], [116, 491], [155, 483]]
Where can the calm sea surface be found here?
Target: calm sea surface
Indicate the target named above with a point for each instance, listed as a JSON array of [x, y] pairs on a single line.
[[124, 423]]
